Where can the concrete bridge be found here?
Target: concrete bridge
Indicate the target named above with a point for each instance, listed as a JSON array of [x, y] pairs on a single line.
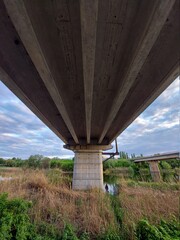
[[88, 68], [153, 162]]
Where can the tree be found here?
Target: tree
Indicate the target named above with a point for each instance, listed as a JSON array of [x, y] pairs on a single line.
[[133, 155], [2, 161], [34, 161], [123, 155]]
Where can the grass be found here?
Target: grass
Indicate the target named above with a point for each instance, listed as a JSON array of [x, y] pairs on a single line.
[[57, 204], [91, 214], [10, 171], [155, 185], [144, 202]]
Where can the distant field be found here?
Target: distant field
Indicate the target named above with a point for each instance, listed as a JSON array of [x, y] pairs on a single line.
[[10, 171]]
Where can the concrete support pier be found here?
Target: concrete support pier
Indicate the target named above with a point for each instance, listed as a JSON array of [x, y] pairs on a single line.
[[154, 170], [88, 168]]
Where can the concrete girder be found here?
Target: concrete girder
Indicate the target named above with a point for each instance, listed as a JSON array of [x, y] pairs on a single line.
[[17, 91], [172, 75], [22, 23], [94, 58], [152, 29], [89, 12]]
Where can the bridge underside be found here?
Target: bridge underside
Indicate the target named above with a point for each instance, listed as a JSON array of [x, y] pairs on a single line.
[[87, 69]]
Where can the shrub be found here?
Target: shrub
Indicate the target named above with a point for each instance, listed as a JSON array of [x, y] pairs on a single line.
[[117, 163], [163, 231], [15, 223], [45, 163], [145, 174], [165, 165], [147, 231], [14, 219], [110, 235], [69, 233], [131, 171], [34, 161], [2, 161], [65, 165]]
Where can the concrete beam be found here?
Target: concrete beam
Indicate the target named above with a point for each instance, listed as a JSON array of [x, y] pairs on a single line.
[[17, 91], [160, 157], [89, 12], [169, 78], [18, 14], [151, 32]]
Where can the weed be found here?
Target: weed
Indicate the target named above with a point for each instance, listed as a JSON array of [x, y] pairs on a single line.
[[163, 231], [14, 219]]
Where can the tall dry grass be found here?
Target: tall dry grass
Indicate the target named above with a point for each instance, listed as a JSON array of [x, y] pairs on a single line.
[[10, 171], [58, 204], [146, 203], [152, 204]]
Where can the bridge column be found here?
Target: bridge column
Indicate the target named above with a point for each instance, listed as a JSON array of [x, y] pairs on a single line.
[[88, 167], [154, 170]]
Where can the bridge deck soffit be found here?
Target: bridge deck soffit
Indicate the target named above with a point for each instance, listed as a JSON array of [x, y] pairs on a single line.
[[87, 69]]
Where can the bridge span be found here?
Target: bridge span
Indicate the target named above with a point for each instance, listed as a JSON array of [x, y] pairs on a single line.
[[88, 68], [153, 162]]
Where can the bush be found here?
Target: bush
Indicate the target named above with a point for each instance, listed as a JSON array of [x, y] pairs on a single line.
[[110, 235], [45, 163], [34, 161], [167, 172], [114, 163], [2, 161], [10, 163], [15, 223], [164, 231], [174, 163], [65, 165], [14, 219], [69, 233], [131, 172], [165, 165], [145, 174]]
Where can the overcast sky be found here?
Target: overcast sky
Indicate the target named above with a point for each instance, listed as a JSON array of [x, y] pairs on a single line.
[[156, 130]]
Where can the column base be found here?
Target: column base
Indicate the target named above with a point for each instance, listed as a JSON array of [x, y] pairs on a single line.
[[88, 170]]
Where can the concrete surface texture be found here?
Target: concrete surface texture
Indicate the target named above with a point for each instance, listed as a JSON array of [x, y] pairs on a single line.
[[154, 170], [87, 69], [88, 171]]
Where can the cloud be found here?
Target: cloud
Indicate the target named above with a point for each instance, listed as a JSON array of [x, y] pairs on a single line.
[[156, 130], [21, 133]]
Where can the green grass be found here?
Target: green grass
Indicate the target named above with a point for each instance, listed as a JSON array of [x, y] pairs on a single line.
[[155, 185], [163, 231]]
